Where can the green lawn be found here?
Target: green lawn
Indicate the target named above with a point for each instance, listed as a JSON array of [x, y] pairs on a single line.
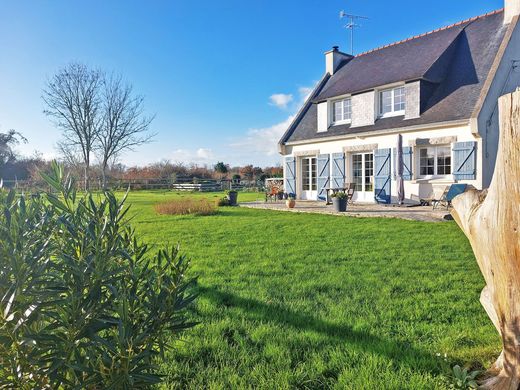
[[293, 300]]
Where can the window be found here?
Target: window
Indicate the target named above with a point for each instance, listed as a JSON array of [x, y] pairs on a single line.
[[342, 111], [392, 102], [363, 171], [435, 161], [309, 173]]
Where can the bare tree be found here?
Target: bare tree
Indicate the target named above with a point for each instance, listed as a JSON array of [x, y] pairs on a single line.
[[70, 156], [124, 125], [72, 100]]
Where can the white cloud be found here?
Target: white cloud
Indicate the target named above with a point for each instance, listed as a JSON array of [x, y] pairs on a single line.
[[261, 144], [305, 92], [199, 156], [204, 154], [281, 100]]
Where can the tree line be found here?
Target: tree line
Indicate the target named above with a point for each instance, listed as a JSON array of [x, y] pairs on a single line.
[[100, 117], [28, 168]]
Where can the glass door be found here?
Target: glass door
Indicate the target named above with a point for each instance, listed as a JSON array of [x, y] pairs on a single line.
[[309, 178], [363, 176]]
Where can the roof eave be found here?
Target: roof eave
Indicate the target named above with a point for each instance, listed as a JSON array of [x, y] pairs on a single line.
[[302, 112], [433, 125]]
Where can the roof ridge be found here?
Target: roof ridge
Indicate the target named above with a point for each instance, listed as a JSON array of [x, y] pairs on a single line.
[[469, 20]]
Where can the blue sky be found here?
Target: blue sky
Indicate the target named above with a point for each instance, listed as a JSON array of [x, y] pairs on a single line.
[[223, 77]]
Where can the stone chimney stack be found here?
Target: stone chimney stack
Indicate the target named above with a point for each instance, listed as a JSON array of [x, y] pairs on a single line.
[[333, 58], [511, 9]]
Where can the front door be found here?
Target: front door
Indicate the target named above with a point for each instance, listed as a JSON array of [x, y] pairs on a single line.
[[363, 176], [309, 178]]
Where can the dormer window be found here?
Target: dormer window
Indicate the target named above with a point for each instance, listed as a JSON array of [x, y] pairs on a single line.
[[392, 102], [342, 111]]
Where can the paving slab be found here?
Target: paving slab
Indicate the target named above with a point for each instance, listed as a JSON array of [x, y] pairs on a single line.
[[360, 210]]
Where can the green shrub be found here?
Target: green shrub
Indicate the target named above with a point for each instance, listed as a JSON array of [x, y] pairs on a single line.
[[339, 195], [83, 304], [463, 378], [222, 202]]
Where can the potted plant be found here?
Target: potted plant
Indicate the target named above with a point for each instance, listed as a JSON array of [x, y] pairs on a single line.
[[291, 201], [232, 196], [339, 201], [279, 196]]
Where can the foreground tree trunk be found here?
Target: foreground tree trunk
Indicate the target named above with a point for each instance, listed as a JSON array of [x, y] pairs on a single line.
[[491, 221]]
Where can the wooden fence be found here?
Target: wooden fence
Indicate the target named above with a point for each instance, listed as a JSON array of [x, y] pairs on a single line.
[[179, 184]]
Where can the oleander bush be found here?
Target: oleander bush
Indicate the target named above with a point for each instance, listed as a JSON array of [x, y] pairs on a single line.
[[185, 206], [83, 304]]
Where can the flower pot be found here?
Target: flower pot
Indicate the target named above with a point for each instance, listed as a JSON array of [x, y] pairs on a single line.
[[290, 203], [339, 204], [279, 196], [232, 197]]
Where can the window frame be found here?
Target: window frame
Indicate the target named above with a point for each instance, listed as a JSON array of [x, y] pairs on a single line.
[[333, 111], [394, 112], [435, 175]]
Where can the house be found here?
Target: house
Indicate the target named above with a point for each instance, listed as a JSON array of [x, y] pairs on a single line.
[[439, 90]]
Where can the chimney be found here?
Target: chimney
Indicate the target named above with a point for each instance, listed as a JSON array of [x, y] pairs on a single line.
[[511, 9], [333, 58]]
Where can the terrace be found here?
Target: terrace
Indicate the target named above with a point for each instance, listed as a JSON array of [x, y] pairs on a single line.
[[362, 210]]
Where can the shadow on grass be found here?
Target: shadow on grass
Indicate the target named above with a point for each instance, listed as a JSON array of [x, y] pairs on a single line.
[[403, 354]]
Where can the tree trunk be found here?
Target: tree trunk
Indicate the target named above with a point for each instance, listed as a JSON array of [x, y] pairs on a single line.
[[86, 172], [104, 175], [491, 221]]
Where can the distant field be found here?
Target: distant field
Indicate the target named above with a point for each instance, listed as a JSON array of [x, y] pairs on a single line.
[[292, 300]]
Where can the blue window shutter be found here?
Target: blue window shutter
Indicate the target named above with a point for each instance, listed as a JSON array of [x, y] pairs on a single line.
[[465, 160], [382, 175], [323, 175], [408, 162], [338, 170], [290, 175]]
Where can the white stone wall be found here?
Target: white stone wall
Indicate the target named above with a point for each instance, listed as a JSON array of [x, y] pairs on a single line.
[[363, 109], [512, 9], [413, 100], [417, 187]]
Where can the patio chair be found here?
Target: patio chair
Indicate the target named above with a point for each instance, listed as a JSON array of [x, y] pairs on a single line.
[[447, 196], [272, 194]]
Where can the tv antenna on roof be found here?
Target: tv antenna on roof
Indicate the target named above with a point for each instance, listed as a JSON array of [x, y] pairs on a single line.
[[351, 25]]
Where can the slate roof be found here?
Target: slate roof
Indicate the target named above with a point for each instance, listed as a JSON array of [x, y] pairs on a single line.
[[452, 63]]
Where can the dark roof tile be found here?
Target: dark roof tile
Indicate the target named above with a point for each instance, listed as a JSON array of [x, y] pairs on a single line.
[[457, 59]]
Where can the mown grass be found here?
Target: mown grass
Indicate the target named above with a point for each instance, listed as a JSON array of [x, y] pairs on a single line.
[[316, 301]]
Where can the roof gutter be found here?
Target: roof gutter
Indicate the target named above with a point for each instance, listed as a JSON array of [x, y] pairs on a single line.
[[437, 125]]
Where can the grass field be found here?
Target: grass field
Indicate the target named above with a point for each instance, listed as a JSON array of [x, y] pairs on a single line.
[[293, 300]]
